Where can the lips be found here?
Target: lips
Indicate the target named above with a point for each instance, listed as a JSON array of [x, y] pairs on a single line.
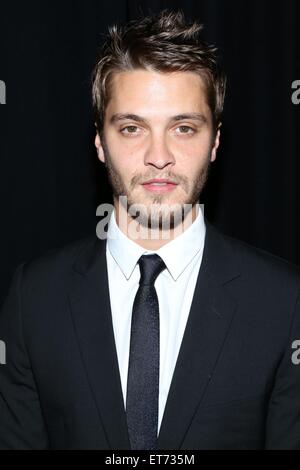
[[159, 181], [159, 185]]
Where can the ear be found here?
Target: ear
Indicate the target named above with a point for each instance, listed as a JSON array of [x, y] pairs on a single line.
[[216, 144], [99, 148]]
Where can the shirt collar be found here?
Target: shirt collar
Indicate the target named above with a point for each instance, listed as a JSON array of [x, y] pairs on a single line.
[[176, 254]]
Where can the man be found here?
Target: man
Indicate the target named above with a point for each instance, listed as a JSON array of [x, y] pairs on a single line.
[[165, 334]]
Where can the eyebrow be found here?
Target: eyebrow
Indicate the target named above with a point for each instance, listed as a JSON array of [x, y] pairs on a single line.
[[179, 117]]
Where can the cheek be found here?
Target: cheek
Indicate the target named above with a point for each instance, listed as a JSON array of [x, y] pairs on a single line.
[[125, 155], [192, 155], [126, 168]]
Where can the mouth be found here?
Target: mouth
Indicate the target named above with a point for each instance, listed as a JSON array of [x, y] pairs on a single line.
[[159, 185]]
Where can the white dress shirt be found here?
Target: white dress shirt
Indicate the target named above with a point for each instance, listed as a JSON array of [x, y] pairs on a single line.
[[174, 286]]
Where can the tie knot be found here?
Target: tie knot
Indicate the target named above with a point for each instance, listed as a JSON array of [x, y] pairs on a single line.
[[150, 267]]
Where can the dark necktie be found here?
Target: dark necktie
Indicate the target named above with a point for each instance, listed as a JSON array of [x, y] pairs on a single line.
[[143, 369]]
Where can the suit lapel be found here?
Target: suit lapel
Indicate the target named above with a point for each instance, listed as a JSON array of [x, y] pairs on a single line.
[[90, 305], [208, 324]]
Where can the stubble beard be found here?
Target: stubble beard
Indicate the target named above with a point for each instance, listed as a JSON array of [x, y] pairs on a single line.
[[160, 215]]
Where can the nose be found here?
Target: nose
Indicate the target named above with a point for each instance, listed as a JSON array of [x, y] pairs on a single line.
[[158, 152]]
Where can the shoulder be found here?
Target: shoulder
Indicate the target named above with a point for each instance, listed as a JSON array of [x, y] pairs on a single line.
[[55, 264], [255, 263]]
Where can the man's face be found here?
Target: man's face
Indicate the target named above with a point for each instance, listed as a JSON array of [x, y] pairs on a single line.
[[157, 126]]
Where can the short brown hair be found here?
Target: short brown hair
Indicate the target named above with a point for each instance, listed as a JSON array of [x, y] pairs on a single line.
[[164, 43]]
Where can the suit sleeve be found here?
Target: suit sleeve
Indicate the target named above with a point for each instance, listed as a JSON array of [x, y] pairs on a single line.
[[283, 420], [21, 421]]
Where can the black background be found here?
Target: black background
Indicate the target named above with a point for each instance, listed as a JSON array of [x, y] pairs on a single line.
[[51, 181]]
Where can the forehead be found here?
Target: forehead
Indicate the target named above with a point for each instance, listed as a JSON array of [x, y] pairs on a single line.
[[146, 91]]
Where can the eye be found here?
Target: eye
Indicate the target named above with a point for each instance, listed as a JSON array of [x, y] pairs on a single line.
[[185, 130], [129, 130]]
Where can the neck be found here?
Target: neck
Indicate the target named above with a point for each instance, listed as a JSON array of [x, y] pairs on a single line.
[[155, 238]]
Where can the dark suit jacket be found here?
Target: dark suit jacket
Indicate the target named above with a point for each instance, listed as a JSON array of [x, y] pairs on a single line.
[[234, 386]]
